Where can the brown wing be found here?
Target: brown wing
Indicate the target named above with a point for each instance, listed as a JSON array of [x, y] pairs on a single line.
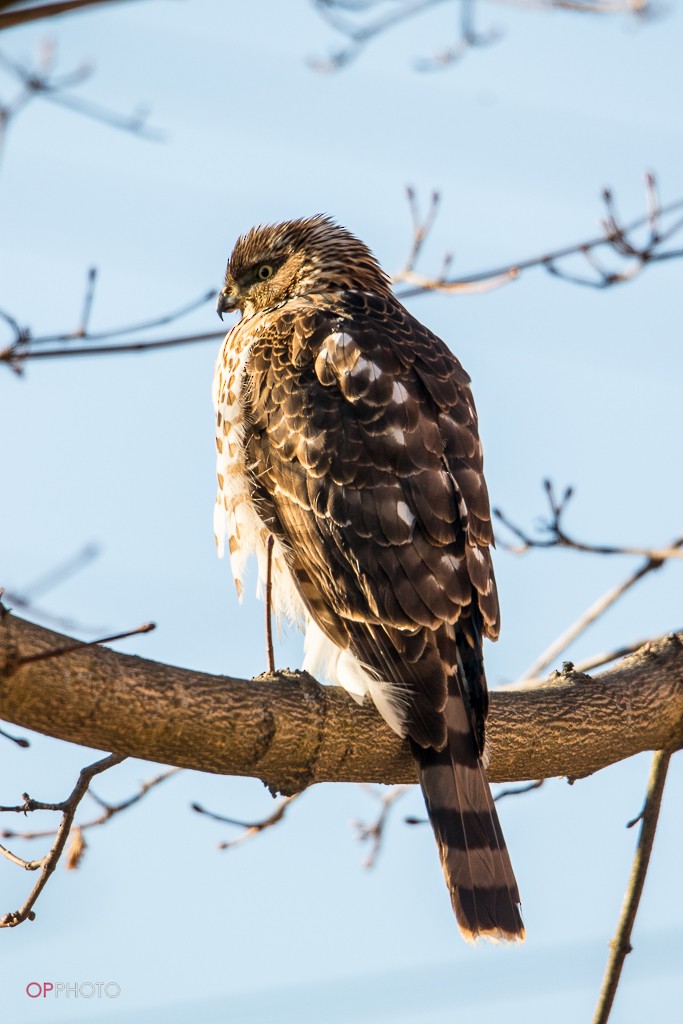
[[367, 464], [369, 468]]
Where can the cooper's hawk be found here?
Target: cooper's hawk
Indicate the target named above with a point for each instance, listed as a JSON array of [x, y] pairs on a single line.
[[346, 431]]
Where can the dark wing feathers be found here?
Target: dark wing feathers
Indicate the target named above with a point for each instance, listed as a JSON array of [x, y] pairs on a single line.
[[362, 417], [363, 429]]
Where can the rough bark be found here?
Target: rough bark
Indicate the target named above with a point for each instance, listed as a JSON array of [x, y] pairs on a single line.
[[290, 731]]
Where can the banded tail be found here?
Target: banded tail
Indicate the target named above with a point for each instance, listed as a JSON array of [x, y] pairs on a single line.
[[474, 857]]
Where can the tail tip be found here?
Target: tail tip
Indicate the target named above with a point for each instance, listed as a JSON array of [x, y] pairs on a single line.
[[495, 935]]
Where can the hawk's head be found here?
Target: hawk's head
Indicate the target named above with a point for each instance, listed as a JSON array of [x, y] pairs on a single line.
[[276, 262]]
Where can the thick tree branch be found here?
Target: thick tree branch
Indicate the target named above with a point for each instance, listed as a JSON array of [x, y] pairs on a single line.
[[291, 732]]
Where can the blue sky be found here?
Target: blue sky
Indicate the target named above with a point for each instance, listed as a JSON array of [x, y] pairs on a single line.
[[579, 385]]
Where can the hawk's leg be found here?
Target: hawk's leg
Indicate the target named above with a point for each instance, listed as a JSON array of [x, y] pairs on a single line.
[[270, 655]]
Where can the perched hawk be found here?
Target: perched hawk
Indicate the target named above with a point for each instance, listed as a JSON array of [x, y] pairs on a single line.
[[346, 431]]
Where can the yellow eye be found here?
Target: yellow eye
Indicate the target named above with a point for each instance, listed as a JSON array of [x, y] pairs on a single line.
[[265, 271]]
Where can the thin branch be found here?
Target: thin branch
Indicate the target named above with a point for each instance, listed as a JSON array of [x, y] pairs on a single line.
[[475, 285], [134, 123], [250, 828], [25, 597], [373, 833], [28, 865], [468, 38], [421, 225], [134, 328], [615, 238], [109, 811], [19, 740], [359, 36], [510, 791], [22, 13], [55, 576], [350, 19], [518, 790], [58, 652], [87, 302], [592, 613], [24, 343], [29, 805], [598, 660], [49, 618], [40, 81], [107, 350], [47, 864], [655, 559], [620, 945], [552, 534]]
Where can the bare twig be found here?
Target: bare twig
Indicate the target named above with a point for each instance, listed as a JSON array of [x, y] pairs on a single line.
[[518, 790], [58, 652], [620, 945], [552, 534], [350, 19], [615, 239], [19, 740], [373, 833], [41, 81], [250, 828], [25, 597], [28, 865], [359, 36], [598, 660], [421, 225], [25, 345], [467, 39], [134, 328], [49, 618], [46, 865], [20, 12], [109, 350], [528, 787], [87, 302], [655, 558], [109, 811], [598, 608]]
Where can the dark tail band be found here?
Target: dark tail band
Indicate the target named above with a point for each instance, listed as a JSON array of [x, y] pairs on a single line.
[[473, 853]]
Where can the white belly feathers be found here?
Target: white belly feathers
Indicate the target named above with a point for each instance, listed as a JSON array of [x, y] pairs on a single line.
[[234, 513]]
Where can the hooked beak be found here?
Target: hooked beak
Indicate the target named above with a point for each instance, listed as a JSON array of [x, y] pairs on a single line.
[[226, 302]]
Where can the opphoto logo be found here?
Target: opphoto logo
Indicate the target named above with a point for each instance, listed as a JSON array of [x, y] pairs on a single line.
[[73, 989]]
